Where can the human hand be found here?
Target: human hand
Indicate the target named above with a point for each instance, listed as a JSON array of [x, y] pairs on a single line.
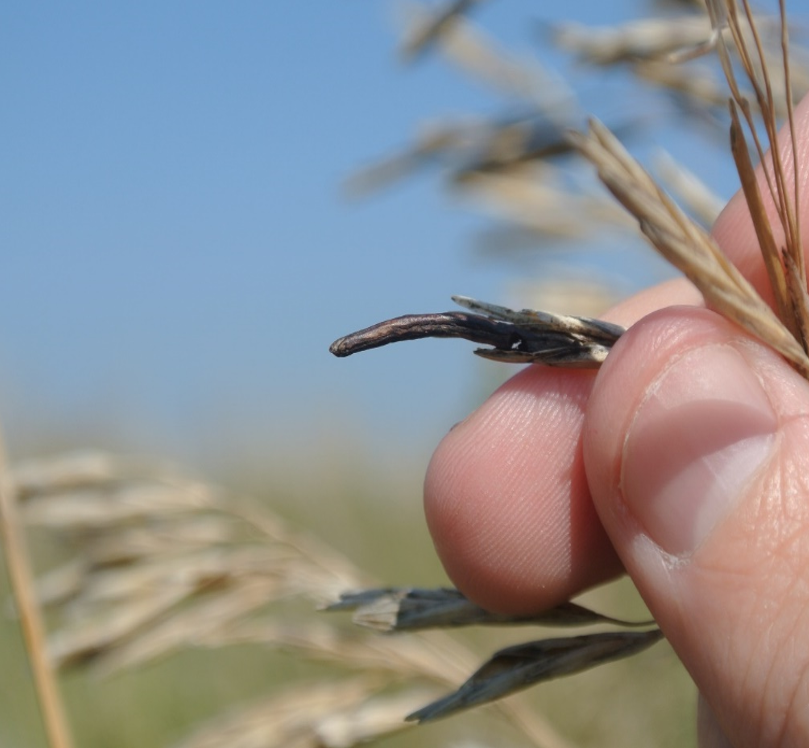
[[684, 461]]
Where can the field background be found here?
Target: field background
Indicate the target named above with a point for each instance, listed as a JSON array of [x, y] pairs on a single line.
[[375, 520]]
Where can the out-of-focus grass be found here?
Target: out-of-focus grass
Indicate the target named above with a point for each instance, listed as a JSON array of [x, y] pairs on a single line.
[[374, 517]]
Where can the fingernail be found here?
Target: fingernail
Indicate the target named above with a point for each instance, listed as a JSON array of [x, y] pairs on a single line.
[[697, 440]]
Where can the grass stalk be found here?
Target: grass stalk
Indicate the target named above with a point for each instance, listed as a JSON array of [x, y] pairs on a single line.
[[18, 564]]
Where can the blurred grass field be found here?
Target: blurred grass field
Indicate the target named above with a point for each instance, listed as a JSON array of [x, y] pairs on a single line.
[[376, 521]]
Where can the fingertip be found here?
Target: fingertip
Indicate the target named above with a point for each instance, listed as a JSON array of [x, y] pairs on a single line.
[[695, 444], [507, 501]]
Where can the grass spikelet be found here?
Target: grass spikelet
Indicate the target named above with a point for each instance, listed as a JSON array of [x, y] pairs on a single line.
[[685, 244], [169, 563]]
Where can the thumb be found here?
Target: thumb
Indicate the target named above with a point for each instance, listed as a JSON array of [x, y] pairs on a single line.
[[696, 448]]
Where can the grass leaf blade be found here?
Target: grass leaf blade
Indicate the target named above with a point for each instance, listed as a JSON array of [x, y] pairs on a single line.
[[518, 667]]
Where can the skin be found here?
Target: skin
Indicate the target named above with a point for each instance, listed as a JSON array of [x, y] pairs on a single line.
[[556, 484]]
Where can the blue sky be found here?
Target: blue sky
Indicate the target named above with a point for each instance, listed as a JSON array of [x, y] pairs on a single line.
[[177, 254]]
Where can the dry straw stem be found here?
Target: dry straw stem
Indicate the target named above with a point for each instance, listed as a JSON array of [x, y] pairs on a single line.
[[18, 563]]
